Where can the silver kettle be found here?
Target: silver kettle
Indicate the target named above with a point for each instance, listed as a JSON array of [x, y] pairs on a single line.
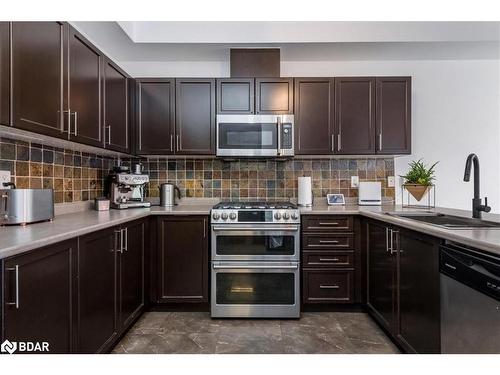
[[167, 194]]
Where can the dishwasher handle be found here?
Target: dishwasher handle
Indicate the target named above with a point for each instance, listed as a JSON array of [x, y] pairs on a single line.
[[478, 272]]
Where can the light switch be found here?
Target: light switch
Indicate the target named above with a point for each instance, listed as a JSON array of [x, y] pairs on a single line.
[[4, 177], [391, 181], [354, 181]]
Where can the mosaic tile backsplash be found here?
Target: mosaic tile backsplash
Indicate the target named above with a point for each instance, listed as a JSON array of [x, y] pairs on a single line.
[[77, 176]]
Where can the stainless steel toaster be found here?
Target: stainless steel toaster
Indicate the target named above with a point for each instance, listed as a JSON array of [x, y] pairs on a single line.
[[23, 206]]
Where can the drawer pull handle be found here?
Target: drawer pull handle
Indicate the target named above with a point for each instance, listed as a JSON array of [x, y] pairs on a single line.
[[329, 259], [329, 287], [329, 223], [328, 241]]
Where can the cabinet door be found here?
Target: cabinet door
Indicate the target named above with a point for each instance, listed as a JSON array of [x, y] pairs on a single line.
[[39, 295], [419, 302], [155, 125], [131, 275], [97, 291], [84, 90], [382, 276], [394, 115], [116, 108], [38, 63], [235, 96], [4, 73], [183, 259], [195, 116], [355, 115], [314, 116], [274, 95]]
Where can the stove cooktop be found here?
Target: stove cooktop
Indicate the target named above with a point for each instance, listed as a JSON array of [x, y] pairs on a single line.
[[242, 205]]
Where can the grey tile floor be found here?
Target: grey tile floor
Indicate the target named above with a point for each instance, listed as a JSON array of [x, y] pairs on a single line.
[[197, 333]]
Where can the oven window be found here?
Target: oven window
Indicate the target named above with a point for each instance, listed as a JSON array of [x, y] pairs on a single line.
[[255, 288], [248, 136], [255, 245]]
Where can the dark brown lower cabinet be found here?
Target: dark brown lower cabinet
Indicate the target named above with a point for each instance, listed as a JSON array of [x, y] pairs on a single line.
[[403, 285], [39, 295], [97, 290], [131, 273], [330, 260], [182, 273]]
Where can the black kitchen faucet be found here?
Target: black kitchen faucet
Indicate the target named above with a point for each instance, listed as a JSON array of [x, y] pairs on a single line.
[[477, 207]]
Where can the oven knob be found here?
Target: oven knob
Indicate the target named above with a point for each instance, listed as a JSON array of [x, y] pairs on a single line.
[[216, 216], [232, 216], [286, 216], [224, 216], [295, 216], [277, 215]]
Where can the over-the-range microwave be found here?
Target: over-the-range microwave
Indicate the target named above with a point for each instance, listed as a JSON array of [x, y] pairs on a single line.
[[255, 136]]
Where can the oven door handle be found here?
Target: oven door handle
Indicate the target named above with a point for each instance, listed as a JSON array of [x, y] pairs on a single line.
[[273, 228], [291, 267]]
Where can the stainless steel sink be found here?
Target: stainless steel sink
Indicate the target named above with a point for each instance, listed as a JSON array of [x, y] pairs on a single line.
[[447, 221]]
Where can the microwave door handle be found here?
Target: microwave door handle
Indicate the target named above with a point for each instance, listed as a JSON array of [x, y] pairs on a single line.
[[278, 125]]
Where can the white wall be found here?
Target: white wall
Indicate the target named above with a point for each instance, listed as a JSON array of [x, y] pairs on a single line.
[[455, 111]]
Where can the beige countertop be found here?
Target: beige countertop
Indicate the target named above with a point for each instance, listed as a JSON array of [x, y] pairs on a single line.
[[16, 240]]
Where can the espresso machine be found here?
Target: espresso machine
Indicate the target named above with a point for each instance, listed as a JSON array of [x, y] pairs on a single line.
[[127, 190]]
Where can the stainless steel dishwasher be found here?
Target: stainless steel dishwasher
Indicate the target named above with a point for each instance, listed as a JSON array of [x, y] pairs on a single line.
[[470, 301]]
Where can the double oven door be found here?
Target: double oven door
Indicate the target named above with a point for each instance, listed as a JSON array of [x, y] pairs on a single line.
[[255, 271]]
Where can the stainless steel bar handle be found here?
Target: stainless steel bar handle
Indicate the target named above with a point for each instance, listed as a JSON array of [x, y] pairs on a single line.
[[328, 223], [171, 142], [329, 259], [204, 228], [333, 142], [339, 142], [380, 142], [125, 236], [387, 239], [217, 228], [328, 241], [245, 267], [177, 142], [68, 111], [394, 250], [329, 287], [118, 234], [16, 303], [278, 125], [109, 134], [76, 123]]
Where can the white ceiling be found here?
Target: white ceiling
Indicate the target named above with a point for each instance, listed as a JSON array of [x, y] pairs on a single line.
[[156, 42]]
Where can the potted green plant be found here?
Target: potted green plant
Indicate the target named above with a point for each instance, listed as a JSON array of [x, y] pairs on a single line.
[[419, 178]]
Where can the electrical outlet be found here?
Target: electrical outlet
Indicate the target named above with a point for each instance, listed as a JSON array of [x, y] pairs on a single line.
[[354, 181], [4, 177], [391, 181]]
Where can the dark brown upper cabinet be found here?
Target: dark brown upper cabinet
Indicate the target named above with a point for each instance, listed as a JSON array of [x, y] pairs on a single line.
[[393, 115], [116, 108], [355, 115], [155, 116], [84, 89], [274, 95], [38, 65], [4, 73], [97, 290], [314, 104], [235, 96], [195, 116], [39, 296], [182, 259]]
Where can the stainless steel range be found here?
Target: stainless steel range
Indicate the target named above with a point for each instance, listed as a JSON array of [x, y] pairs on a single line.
[[255, 260]]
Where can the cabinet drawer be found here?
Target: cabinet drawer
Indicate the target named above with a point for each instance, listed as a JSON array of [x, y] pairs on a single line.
[[328, 286], [325, 241], [328, 259], [327, 223]]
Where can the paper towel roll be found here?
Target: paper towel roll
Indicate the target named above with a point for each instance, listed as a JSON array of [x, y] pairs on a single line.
[[305, 191]]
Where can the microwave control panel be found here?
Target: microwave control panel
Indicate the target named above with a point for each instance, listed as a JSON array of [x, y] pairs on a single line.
[[286, 136]]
